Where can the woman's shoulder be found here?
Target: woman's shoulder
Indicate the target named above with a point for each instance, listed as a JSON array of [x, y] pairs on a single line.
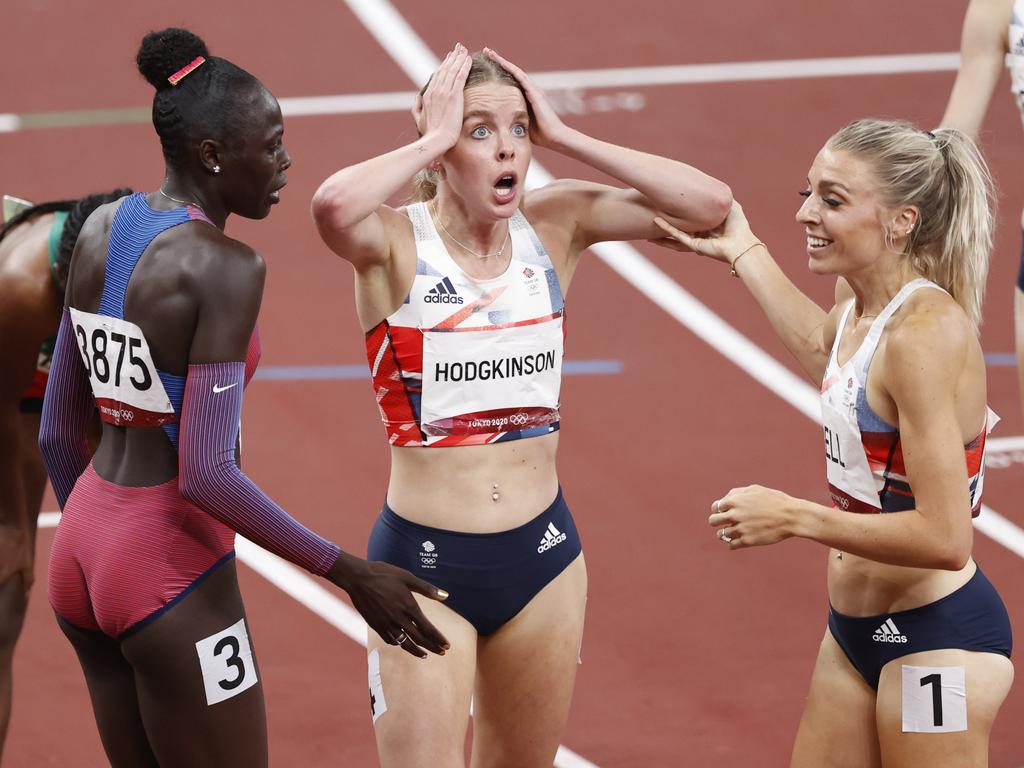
[[928, 335]]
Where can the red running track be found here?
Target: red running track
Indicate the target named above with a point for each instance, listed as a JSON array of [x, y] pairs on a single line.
[[693, 656]]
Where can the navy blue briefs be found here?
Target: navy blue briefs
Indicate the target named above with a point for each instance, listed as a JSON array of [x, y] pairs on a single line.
[[973, 618], [490, 577]]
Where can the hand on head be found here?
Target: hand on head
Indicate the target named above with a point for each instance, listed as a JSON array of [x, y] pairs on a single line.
[[546, 127], [439, 108]]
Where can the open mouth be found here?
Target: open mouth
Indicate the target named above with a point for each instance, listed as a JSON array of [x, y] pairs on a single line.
[[505, 187]]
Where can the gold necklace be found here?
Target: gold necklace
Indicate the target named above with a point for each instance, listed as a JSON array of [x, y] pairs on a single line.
[[465, 247], [160, 189]]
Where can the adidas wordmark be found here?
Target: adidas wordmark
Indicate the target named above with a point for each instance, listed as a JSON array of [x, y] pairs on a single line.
[[552, 538], [887, 633], [443, 293]]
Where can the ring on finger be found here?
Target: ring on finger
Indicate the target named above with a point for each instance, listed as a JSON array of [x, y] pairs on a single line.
[[400, 638], [722, 535]]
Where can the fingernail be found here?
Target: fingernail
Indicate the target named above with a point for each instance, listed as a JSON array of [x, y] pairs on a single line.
[[443, 594]]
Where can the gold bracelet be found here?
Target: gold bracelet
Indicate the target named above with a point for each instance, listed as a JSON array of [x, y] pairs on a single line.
[[732, 264]]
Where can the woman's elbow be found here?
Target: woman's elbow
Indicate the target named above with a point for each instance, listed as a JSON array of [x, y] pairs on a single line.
[[49, 443], [716, 207], [328, 208], [954, 556], [190, 489]]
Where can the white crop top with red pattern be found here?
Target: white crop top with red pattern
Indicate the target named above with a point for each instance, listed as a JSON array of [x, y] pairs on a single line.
[[466, 361]]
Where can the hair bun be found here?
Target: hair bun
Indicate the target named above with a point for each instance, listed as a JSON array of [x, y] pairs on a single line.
[[163, 53]]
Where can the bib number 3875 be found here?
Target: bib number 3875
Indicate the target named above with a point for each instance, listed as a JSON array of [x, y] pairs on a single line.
[[95, 347], [121, 371]]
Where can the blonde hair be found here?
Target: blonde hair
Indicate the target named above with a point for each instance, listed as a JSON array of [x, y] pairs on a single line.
[[944, 176], [482, 70]]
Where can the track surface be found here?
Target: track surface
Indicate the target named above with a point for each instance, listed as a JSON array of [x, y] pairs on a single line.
[[693, 656]]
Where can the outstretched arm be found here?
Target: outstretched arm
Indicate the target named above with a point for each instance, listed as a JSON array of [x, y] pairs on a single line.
[[983, 48], [212, 480], [804, 327]]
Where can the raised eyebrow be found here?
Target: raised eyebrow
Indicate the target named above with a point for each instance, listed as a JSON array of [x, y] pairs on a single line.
[[477, 113]]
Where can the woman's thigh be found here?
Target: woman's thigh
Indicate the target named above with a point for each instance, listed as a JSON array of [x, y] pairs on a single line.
[[936, 708], [525, 676], [837, 729], [198, 683], [421, 706]]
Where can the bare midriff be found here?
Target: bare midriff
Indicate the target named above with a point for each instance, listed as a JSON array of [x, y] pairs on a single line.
[[476, 488], [861, 587]]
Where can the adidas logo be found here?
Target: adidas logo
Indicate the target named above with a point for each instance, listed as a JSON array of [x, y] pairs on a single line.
[[887, 633], [443, 293], [552, 538]]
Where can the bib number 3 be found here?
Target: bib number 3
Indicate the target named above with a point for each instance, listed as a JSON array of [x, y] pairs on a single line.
[[226, 662], [934, 699]]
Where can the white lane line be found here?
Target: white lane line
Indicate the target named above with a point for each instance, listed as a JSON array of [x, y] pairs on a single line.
[[350, 104], [645, 276], [1004, 444], [749, 71], [9, 123], [999, 529], [413, 54], [49, 519], [710, 327]]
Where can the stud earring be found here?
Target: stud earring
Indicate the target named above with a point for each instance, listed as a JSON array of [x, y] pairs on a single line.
[[216, 169]]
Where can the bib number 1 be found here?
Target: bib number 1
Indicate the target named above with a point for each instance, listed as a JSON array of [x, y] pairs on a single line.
[[934, 699]]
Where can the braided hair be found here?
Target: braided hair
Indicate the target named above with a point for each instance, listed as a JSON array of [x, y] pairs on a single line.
[[78, 210], [207, 103]]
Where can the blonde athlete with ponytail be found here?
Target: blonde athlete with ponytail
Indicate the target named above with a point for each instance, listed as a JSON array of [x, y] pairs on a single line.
[[915, 662]]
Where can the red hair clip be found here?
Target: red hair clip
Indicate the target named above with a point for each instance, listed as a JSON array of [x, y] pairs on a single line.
[[178, 76]]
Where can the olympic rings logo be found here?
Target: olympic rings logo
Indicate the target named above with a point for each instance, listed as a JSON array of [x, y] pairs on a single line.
[[518, 419]]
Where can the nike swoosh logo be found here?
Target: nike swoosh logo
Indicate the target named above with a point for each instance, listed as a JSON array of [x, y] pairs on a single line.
[[217, 388]]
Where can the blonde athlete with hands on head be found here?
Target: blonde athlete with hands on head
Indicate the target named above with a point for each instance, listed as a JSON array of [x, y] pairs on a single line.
[[915, 662], [461, 296], [992, 29]]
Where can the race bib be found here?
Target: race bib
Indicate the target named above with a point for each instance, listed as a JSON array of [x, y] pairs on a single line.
[[121, 371], [226, 663], [491, 380], [846, 464]]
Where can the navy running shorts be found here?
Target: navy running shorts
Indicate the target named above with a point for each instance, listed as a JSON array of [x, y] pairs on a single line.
[[973, 618], [490, 577]]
